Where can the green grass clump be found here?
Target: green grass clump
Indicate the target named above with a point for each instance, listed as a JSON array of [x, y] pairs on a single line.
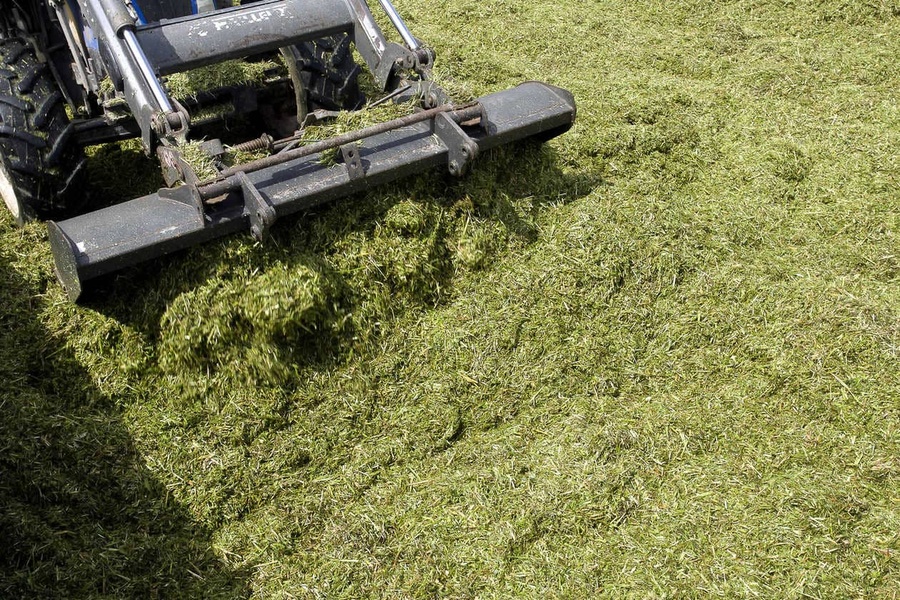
[[222, 327], [655, 357], [203, 165], [110, 165], [348, 121], [228, 73]]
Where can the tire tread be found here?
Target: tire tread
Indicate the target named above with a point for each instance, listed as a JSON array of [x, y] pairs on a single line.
[[36, 148]]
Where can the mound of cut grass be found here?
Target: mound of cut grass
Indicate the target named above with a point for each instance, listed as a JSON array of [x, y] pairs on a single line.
[[219, 326]]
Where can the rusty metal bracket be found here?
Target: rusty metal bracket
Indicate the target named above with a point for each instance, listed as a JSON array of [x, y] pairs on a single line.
[[175, 169], [262, 214], [355, 168], [461, 149], [395, 58]]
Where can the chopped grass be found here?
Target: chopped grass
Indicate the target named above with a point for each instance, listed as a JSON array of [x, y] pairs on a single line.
[[656, 357], [203, 165], [352, 120], [225, 74]]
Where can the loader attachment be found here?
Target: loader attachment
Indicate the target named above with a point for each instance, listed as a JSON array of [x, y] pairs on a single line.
[[117, 64], [252, 196]]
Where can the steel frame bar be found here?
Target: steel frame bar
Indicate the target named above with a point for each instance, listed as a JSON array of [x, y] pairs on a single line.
[[126, 234], [197, 40]]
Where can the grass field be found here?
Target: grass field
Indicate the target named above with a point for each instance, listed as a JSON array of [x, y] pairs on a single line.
[[656, 357]]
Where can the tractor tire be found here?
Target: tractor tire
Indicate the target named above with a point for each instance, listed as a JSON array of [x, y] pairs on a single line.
[[329, 75], [39, 166]]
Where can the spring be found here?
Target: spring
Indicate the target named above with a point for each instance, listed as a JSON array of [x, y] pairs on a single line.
[[263, 142]]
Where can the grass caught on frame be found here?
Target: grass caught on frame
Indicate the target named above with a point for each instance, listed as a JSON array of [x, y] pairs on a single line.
[[656, 357]]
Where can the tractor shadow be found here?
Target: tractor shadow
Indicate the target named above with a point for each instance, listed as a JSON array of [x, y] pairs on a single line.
[[405, 259], [80, 513]]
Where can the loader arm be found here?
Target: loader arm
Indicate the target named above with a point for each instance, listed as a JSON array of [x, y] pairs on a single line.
[[136, 55]]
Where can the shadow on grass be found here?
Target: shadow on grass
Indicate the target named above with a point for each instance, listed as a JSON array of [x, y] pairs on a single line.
[[80, 515]]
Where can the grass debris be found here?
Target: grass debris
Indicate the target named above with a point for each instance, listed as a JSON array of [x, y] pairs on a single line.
[[655, 357], [187, 84], [203, 165]]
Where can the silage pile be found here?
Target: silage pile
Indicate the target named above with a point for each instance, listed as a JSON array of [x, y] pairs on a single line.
[[262, 319], [341, 275]]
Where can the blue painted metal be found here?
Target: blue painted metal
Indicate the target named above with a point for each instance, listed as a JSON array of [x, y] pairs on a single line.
[[142, 20]]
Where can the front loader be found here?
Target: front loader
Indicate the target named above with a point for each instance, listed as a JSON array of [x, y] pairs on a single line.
[[75, 73]]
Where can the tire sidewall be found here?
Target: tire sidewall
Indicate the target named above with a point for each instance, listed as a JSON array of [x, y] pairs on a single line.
[[16, 208]]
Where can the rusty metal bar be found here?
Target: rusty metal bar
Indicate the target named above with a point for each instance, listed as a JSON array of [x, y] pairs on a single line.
[[226, 181]]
